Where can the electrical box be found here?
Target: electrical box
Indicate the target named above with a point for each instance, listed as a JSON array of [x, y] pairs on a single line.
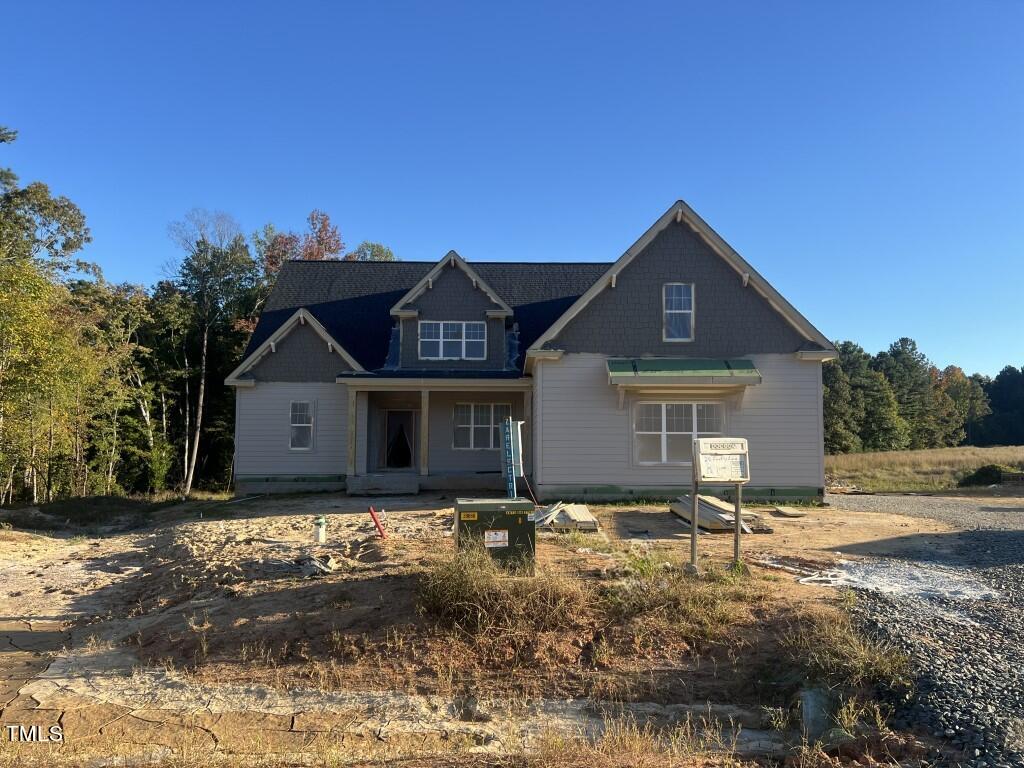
[[505, 527]]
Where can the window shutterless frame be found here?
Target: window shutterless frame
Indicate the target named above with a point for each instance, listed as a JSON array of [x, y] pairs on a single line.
[[477, 426], [300, 425], [678, 305], [656, 428], [452, 340]]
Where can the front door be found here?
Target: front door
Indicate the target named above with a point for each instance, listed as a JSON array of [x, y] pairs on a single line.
[[399, 439]]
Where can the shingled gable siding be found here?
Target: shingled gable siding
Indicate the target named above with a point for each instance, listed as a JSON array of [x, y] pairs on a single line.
[[453, 297], [730, 320], [302, 355], [586, 440]]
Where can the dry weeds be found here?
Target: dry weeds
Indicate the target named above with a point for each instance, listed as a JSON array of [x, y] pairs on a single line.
[[927, 470]]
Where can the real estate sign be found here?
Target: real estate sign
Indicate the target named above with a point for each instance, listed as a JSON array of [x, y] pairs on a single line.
[[721, 460]]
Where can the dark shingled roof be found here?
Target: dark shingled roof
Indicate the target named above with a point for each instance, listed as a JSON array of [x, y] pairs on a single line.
[[353, 299]]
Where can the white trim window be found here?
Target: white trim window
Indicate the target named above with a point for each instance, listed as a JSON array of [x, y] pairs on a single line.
[[452, 340], [677, 307], [663, 433], [300, 437], [477, 426]]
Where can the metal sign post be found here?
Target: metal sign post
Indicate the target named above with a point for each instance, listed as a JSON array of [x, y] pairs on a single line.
[[719, 461], [694, 530]]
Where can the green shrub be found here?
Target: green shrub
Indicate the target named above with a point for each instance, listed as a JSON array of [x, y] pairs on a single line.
[[990, 474]]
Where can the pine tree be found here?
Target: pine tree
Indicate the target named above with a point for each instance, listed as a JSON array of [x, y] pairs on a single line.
[[883, 428], [840, 423]]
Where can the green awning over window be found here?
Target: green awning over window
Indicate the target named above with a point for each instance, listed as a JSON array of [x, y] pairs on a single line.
[[688, 371]]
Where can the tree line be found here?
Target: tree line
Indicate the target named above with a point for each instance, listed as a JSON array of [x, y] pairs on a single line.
[[118, 388], [897, 399]]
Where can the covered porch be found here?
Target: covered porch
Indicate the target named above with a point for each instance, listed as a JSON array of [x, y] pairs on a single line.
[[433, 433]]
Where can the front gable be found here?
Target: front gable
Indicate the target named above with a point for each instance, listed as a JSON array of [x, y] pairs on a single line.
[[729, 320], [454, 284], [735, 311], [452, 292]]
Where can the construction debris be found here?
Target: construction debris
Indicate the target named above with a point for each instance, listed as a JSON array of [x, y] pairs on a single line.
[[716, 516], [312, 566], [566, 517], [789, 511]]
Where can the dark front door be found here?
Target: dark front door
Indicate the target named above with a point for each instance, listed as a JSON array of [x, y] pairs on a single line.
[[399, 439]]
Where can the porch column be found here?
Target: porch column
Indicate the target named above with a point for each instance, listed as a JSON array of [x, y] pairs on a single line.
[[353, 419], [424, 429]]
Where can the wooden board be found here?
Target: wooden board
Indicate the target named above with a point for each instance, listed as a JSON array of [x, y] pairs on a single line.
[[708, 518], [725, 507], [789, 511]]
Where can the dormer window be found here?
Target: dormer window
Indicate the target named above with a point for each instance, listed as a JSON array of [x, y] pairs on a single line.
[[677, 307], [445, 340]]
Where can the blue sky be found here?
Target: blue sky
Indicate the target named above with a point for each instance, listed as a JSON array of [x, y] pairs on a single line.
[[867, 158]]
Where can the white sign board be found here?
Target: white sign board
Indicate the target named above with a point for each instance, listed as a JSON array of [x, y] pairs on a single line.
[[721, 460]]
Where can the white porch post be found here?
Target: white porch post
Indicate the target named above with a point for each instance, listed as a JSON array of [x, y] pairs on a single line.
[[424, 430], [353, 419]]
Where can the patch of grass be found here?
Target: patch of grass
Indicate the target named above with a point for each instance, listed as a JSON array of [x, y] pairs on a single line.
[[669, 600], [471, 593], [927, 470], [581, 540], [625, 742], [831, 650]]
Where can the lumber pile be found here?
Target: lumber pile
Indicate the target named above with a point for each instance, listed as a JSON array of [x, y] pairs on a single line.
[[566, 517], [716, 516]]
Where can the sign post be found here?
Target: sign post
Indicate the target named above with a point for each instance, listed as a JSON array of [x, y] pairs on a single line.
[[719, 461]]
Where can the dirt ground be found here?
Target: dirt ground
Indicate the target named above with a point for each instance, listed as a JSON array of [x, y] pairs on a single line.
[[197, 632]]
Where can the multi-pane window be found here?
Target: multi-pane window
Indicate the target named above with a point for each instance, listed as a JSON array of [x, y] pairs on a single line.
[[446, 340], [663, 433], [477, 426], [677, 301], [301, 436]]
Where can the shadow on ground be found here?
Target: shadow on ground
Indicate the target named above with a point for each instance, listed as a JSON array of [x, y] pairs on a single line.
[[966, 549]]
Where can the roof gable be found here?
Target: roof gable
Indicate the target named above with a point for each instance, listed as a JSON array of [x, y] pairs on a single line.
[[680, 212], [426, 283], [353, 299]]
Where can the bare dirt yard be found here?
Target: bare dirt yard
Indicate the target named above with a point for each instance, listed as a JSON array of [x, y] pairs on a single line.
[[197, 640]]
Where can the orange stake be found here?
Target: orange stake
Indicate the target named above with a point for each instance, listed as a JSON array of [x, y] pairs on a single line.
[[376, 522]]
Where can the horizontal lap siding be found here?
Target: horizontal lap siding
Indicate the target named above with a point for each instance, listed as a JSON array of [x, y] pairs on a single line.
[[586, 439], [781, 419], [263, 427], [442, 457]]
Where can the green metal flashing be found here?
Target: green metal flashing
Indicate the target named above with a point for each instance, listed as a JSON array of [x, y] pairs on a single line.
[[622, 371]]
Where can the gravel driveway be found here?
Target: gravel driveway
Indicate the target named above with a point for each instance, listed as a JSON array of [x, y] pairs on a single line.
[[968, 654]]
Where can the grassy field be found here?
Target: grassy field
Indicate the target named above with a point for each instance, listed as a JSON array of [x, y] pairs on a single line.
[[931, 470]]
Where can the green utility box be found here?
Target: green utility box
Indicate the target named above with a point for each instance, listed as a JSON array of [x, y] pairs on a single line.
[[505, 526]]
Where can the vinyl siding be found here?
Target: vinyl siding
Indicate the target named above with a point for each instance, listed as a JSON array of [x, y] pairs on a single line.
[[442, 457], [586, 439], [263, 426]]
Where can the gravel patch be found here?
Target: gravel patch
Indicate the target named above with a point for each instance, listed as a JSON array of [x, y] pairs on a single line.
[[967, 651], [959, 511]]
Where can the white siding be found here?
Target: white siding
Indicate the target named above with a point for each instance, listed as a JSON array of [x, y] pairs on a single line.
[[585, 438], [262, 429]]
